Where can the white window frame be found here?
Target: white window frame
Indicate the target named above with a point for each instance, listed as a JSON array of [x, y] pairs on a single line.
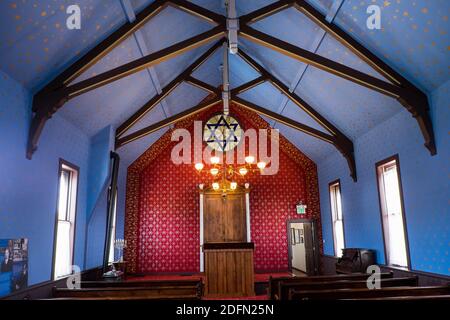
[[337, 215], [64, 250], [386, 217]]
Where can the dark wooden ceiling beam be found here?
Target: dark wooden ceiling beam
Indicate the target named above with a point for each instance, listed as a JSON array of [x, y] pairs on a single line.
[[49, 102], [320, 62], [149, 105], [413, 99], [266, 11], [166, 122], [198, 11], [284, 120], [340, 145], [104, 47], [248, 85], [293, 97], [145, 62], [202, 85], [349, 42]]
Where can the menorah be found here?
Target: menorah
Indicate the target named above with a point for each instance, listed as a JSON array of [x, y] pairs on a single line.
[[120, 244]]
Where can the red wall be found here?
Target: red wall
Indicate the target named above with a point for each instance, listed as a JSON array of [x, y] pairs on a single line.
[[162, 219]]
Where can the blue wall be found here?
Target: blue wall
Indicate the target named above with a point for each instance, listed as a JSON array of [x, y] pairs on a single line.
[[425, 181], [99, 157], [99, 167], [28, 189], [96, 232]]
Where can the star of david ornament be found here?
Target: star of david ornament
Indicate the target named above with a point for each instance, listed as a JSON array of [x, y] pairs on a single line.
[[222, 133]]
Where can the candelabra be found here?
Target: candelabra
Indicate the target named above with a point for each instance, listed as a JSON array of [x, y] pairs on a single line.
[[120, 244]]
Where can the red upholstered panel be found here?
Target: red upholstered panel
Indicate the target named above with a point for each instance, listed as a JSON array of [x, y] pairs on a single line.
[[169, 217], [163, 207]]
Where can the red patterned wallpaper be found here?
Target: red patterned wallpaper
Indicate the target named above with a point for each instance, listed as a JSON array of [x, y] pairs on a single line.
[[162, 212]]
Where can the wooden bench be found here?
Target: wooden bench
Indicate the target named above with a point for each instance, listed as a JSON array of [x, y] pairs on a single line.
[[138, 283], [361, 294], [406, 298], [164, 289], [273, 282], [285, 287]]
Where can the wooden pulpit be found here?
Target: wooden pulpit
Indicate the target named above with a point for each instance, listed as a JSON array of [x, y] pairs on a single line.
[[229, 269], [227, 250]]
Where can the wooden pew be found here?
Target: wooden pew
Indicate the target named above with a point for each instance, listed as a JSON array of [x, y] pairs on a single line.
[[406, 298], [285, 287], [360, 294], [146, 290], [273, 282], [138, 283]]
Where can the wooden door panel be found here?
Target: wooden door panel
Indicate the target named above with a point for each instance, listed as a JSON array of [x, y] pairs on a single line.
[[309, 247], [235, 225], [213, 219], [224, 219]]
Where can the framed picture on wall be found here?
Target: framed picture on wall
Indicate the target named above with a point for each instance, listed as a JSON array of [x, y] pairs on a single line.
[[13, 265]]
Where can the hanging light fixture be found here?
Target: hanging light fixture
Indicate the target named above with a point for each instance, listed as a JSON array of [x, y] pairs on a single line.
[[227, 182]]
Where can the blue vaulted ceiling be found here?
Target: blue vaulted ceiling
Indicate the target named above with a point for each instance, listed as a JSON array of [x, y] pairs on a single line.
[[35, 46]]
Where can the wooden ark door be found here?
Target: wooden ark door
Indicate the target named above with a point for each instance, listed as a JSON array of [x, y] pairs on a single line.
[[224, 218]]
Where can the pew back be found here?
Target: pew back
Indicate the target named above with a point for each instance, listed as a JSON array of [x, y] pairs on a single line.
[[146, 290], [285, 287], [273, 282], [339, 294], [138, 283]]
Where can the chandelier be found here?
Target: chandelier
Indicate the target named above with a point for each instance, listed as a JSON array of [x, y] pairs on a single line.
[[225, 175]]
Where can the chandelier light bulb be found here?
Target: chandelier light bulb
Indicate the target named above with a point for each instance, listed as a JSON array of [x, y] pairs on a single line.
[[249, 159], [215, 160], [216, 186], [261, 165], [243, 171], [233, 185], [214, 171], [199, 166]]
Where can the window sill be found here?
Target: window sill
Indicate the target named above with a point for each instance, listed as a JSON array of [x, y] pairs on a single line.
[[397, 268]]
